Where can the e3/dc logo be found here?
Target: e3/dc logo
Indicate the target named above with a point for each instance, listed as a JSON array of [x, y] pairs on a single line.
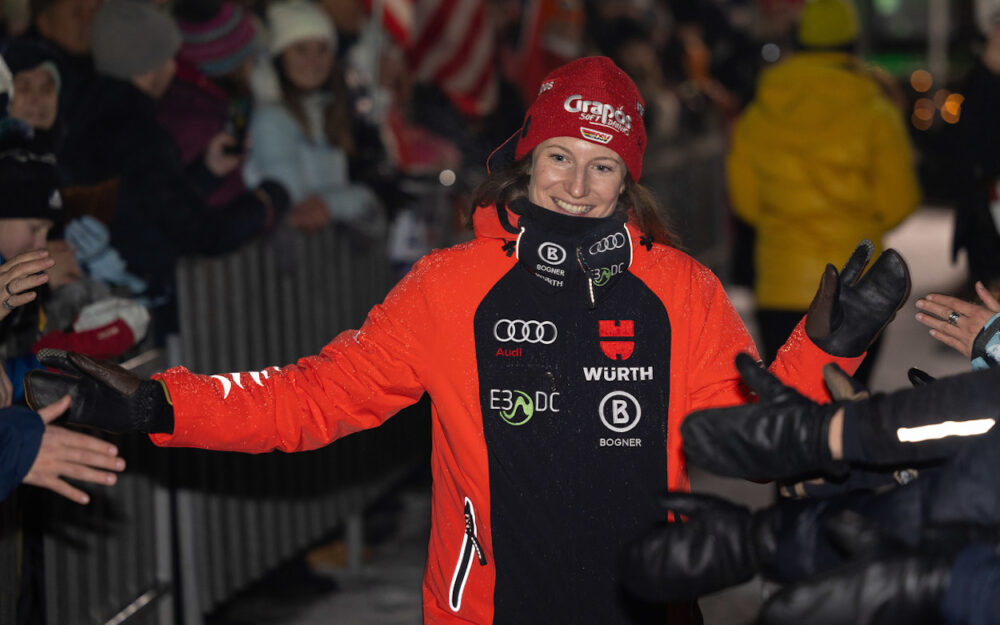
[[517, 407], [525, 331], [620, 411], [552, 253]]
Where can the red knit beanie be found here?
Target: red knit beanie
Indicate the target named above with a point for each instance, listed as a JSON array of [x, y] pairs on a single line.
[[589, 98]]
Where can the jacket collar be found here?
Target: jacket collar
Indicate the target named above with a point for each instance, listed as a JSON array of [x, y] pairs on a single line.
[[566, 254]]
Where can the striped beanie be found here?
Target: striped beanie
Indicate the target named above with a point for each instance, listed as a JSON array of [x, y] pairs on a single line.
[[219, 43]]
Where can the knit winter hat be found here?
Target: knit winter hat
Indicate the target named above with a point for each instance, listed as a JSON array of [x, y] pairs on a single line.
[[26, 54], [589, 98], [220, 43], [130, 38], [827, 24], [29, 179], [296, 20]]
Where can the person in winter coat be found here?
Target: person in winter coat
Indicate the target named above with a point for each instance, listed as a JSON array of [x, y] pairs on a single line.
[[977, 211], [306, 140], [561, 349], [819, 160], [209, 99], [161, 211]]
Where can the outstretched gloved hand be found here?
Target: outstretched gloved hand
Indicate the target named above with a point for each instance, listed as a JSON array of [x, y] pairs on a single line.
[[850, 310], [104, 396], [721, 544], [887, 591], [784, 435]]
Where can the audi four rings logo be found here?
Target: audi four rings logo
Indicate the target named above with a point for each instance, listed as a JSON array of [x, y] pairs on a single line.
[[608, 243], [521, 331]]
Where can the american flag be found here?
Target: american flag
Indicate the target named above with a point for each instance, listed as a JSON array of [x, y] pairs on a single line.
[[449, 43]]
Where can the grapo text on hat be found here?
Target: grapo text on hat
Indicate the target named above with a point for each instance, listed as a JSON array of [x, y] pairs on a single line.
[[599, 113]]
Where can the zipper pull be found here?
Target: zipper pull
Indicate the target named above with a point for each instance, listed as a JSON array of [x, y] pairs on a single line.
[[581, 259], [470, 531]]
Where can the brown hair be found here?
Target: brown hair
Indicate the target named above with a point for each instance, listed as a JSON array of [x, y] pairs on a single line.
[[504, 186], [338, 126]]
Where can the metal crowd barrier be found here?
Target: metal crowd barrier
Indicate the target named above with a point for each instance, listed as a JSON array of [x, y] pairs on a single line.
[[689, 181], [185, 530]]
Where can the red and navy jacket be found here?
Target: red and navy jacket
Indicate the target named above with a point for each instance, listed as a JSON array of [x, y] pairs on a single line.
[[560, 357]]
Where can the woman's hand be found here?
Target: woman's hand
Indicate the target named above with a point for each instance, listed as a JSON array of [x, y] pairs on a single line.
[[955, 322], [65, 453], [20, 276]]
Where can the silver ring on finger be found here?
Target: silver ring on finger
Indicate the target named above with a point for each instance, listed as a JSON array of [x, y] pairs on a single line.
[[7, 305], [6, 287], [953, 318]]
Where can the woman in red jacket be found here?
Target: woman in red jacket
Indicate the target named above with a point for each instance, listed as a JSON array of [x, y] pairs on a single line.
[[561, 349]]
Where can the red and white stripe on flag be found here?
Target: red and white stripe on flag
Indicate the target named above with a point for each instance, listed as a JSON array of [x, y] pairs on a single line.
[[450, 43]]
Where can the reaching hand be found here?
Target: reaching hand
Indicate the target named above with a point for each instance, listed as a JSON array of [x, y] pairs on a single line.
[[850, 310], [680, 561], [955, 322], [68, 454], [105, 396], [784, 435], [886, 591], [20, 276]]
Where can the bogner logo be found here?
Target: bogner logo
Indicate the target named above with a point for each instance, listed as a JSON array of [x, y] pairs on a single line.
[[599, 113], [617, 329], [620, 411], [516, 407], [552, 253], [525, 331]]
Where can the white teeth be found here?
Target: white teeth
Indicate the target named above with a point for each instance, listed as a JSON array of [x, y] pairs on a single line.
[[572, 208]]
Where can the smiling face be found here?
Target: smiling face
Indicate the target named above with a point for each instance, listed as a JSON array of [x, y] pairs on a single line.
[[308, 63], [576, 177]]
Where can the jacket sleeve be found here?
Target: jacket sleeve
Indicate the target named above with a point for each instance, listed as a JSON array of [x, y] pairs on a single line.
[[20, 438], [357, 381]]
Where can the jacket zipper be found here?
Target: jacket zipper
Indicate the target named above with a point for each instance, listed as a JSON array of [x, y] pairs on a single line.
[[585, 267], [470, 546]]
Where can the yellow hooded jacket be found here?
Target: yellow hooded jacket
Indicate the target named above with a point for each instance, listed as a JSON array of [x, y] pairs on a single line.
[[820, 160]]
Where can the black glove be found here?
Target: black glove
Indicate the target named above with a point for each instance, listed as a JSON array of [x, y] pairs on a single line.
[[681, 561], [722, 544], [104, 396], [845, 388], [918, 377], [785, 435], [850, 310], [898, 428], [900, 590]]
